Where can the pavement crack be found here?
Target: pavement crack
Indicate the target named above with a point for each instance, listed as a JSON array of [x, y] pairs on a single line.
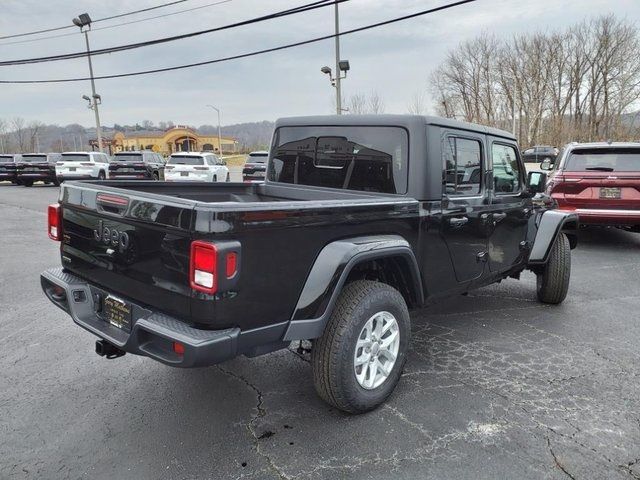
[[261, 412], [627, 468], [557, 462]]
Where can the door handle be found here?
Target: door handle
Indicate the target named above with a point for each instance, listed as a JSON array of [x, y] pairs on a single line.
[[498, 217], [458, 221]]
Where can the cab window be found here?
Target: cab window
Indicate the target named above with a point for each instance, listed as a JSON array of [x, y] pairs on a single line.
[[462, 164], [507, 174]]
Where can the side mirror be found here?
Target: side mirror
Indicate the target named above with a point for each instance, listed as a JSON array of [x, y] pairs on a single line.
[[536, 182], [546, 164]]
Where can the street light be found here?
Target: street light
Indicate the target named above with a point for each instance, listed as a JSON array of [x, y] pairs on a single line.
[[84, 20], [219, 136], [341, 66]]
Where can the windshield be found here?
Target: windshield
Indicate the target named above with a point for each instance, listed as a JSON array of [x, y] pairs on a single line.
[[74, 158], [185, 160], [6, 158], [373, 159], [128, 157], [604, 159], [34, 158]]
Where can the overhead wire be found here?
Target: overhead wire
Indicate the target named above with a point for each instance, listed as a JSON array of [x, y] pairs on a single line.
[[106, 27], [254, 53], [120, 15], [67, 56]]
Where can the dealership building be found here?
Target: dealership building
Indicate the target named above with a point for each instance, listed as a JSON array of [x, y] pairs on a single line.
[[176, 139]]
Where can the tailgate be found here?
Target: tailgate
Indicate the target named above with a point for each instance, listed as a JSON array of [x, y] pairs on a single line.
[[128, 169], [615, 190], [130, 245]]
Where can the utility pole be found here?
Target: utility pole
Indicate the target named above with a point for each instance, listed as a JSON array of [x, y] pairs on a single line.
[[84, 20], [338, 88], [342, 67], [219, 136]]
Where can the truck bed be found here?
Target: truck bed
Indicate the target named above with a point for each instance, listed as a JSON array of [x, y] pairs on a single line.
[[281, 230]]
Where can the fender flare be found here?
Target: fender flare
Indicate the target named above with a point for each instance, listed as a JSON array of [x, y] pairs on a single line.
[[330, 272], [550, 224]]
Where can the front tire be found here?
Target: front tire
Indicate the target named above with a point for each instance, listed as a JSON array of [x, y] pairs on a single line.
[[350, 370], [553, 281]]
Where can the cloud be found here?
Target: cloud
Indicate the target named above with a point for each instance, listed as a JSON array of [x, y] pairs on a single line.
[[394, 60]]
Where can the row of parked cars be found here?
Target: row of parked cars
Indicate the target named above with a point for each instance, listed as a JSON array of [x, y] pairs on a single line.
[[53, 168]]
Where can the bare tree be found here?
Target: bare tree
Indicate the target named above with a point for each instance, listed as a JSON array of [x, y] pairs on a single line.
[[358, 104], [4, 147], [33, 130], [376, 104], [556, 87], [20, 133], [417, 105]]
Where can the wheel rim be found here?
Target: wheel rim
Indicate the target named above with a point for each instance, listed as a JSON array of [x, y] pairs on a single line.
[[376, 350]]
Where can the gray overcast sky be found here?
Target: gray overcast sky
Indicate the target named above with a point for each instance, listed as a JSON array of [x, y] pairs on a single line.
[[394, 60]]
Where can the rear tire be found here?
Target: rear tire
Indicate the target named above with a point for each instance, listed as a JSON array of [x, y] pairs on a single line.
[[155, 176], [553, 281], [101, 175], [27, 183], [228, 178], [215, 179], [336, 354]]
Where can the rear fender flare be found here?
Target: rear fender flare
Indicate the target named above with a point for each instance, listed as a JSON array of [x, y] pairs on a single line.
[[550, 224], [330, 272]]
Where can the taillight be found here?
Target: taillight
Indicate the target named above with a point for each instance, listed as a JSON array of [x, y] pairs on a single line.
[[204, 260], [168, 167], [54, 214], [214, 267]]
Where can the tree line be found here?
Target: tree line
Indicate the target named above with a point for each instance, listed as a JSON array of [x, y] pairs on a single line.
[[575, 85]]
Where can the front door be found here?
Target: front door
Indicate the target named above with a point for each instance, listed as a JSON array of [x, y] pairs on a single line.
[[464, 203], [510, 207]]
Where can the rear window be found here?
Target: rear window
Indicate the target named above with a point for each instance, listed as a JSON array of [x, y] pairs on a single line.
[[74, 158], [128, 157], [258, 157], [34, 158], [185, 160], [604, 159], [6, 158], [373, 159]]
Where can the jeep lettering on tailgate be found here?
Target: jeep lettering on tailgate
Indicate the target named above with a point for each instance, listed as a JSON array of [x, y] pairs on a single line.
[[111, 236]]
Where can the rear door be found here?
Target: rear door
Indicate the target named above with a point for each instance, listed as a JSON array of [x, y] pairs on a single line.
[[128, 165], [463, 204], [36, 164], [510, 206], [71, 164]]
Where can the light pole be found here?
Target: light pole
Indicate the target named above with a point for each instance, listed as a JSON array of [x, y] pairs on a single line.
[[84, 20], [341, 66], [219, 136]]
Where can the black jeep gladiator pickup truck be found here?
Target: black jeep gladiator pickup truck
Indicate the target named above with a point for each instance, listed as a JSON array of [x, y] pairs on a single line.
[[361, 219]]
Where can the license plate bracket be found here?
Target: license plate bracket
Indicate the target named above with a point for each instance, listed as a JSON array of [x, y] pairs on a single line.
[[610, 192], [72, 169], [184, 174], [117, 312]]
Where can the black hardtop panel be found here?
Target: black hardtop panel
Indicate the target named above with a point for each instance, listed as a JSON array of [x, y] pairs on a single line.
[[410, 122]]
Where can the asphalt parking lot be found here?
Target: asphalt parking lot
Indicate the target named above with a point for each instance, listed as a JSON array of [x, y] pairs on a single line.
[[496, 386]]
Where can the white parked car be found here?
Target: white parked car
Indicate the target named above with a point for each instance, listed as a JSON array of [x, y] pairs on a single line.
[[198, 167], [82, 166]]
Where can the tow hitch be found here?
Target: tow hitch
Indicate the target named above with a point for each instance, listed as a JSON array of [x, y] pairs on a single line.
[[105, 349]]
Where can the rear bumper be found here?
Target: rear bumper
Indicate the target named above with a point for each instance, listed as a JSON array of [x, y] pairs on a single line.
[[8, 177], [605, 216], [129, 176], [62, 178], [152, 333], [37, 176]]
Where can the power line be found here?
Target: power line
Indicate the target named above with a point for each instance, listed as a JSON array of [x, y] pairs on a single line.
[[250, 54], [46, 30], [146, 19], [67, 56]]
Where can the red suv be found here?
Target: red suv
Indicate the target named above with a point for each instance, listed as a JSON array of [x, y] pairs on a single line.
[[598, 181]]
